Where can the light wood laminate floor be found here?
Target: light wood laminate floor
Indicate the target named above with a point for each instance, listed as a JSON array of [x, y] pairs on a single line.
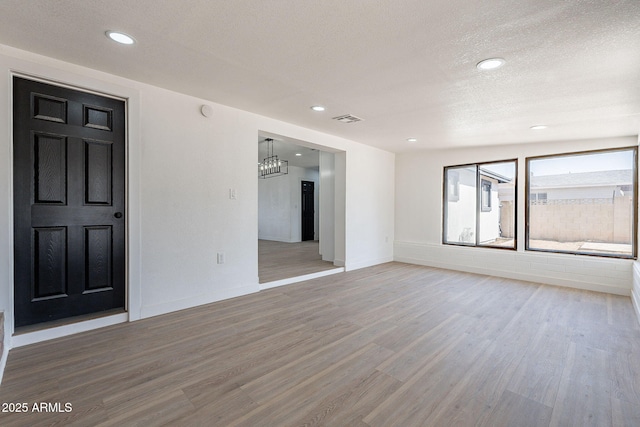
[[280, 260], [391, 345]]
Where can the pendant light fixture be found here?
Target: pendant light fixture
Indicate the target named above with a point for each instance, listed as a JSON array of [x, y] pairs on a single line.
[[271, 165]]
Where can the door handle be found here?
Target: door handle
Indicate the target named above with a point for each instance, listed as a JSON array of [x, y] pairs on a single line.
[[118, 215]]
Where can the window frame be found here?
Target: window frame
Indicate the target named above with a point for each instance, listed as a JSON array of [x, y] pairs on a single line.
[[446, 199], [527, 221]]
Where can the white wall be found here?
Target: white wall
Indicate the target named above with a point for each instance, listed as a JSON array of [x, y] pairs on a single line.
[[371, 202], [418, 219], [326, 206], [279, 209], [340, 226], [181, 166], [274, 209], [189, 163], [635, 291]]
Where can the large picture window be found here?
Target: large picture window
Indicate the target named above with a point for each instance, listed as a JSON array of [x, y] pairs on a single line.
[[479, 204], [583, 203]]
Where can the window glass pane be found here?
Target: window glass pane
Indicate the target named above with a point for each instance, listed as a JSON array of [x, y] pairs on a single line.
[[497, 213], [486, 195], [583, 203], [460, 206]]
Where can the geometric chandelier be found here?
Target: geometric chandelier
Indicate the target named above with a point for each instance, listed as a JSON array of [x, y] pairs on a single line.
[[272, 166]]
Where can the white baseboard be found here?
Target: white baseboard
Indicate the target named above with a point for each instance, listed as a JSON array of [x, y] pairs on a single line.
[[65, 330], [635, 300], [6, 339], [635, 291], [3, 360], [612, 276], [169, 307], [297, 279], [364, 264], [278, 239]]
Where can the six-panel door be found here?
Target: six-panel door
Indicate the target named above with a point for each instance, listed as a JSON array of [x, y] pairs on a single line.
[[69, 202]]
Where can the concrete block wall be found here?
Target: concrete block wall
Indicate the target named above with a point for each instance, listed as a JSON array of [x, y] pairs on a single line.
[[601, 220]]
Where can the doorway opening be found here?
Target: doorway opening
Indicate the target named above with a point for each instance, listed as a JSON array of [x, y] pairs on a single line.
[[307, 208], [297, 218]]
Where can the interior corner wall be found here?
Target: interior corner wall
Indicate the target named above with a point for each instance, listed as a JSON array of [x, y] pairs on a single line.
[[4, 349], [180, 213], [340, 226], [635, 291], [371, 203], [6, 221], [326, 206], [418, 219]]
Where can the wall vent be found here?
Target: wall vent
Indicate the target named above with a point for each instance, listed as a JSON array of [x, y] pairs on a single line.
[[348, 118]]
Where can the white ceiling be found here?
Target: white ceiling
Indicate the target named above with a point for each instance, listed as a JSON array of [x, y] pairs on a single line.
[[407, 67]]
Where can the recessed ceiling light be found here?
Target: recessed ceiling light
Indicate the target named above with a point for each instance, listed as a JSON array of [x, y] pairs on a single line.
[[412, 139], [298, 154], [318, 108], [490, 64], [538, 127], [120, 37]]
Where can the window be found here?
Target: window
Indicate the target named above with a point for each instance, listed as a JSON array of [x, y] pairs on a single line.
[[583, 203], [453, 187], [486, 195], [479, 207], [539, 198]]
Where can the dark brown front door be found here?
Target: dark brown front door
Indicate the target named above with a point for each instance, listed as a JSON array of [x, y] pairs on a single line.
[[308, 211], [69, 202]]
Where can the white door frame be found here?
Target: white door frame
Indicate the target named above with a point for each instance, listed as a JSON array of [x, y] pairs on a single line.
[[131, 97]]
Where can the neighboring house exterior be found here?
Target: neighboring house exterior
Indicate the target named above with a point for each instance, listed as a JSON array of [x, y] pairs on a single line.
[[570, 207]]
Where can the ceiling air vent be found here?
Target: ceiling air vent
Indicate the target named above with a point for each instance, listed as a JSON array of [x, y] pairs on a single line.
[[348, 118]]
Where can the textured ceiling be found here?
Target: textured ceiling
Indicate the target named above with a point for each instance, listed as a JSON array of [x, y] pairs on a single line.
[[406, 67]]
